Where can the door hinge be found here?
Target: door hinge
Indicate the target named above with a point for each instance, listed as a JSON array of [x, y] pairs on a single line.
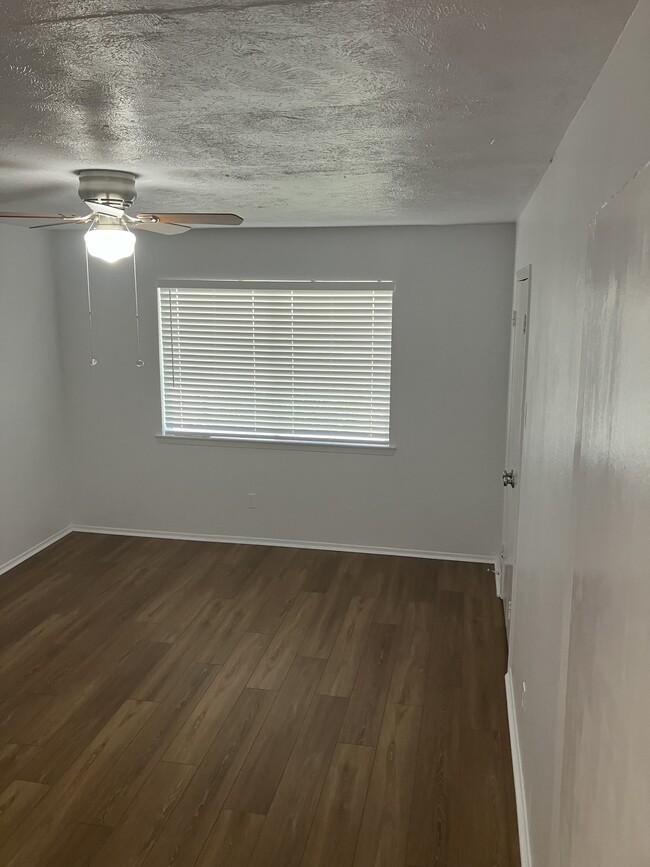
[[503, 552], [514, 318], [525, 322], [509, 614]]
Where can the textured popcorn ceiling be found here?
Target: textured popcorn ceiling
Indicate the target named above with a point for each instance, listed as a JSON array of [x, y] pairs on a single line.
[[297, 112]]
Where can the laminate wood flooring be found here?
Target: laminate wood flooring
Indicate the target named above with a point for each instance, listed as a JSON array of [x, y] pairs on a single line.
[[187, 704]]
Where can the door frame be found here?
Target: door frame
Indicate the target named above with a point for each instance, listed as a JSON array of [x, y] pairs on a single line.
[[522, 275]]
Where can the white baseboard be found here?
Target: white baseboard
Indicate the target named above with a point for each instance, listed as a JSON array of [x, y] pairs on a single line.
[[15, 561], [522, 811], [285, 543]]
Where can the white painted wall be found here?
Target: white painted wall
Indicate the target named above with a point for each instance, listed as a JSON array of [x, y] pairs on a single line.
[[606, 772], [33, 469], [607, 143], [440, 491]]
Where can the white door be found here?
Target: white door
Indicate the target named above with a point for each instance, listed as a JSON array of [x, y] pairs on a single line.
[[516, 421]]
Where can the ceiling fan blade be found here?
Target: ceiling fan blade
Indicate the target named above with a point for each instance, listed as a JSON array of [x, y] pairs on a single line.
[[24, 216], [199, 219], [107, 210], [66, 221], [161, 228], [58, 225]]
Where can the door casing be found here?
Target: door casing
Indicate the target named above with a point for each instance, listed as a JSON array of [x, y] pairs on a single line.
[[516, 422]]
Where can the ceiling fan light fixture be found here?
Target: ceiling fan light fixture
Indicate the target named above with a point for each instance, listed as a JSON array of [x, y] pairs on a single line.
[[109, 239]]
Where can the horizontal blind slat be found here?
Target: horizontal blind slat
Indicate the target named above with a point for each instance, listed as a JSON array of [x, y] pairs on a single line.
[[292, 361]]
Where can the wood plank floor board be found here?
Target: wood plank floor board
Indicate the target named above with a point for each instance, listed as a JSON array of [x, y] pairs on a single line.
[[231, 624], [240, 614], [24, 614], [327, 622], [16, 803], [292, 571], [434, 829], [211, 711], [285, 831], [122, 638], [189, 826], [76, 846], [322, 569], [481, 676], [470, 579], [345, 658], [232, 840], [102, 645], [478, 602], [14, 758], [285, 644], [71, 663], [175, 659], [383, 836], [394, 593], [408, 684], [366, 709], [75, 678], [454, 576], [107, 804], [78, 719], [131, 842], [18, 681], [18, 654], [113, 596], [167, 703], [229, 575], [422, 577], [195, 624], [17, 712], [484, 838], [335, 829], [163, 605], [258, 780], [90, 617], [185, 612], [43, 826], [367, 575], [447, 646]]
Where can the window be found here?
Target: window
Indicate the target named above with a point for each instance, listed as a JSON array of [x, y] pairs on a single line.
[[286, 361]]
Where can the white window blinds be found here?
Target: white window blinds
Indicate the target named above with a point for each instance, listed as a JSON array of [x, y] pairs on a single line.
[[281, 361]]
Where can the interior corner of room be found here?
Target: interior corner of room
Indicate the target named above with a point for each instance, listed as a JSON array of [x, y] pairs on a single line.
[[490, 416]]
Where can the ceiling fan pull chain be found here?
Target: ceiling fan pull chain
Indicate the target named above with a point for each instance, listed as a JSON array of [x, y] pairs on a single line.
[[93, 360], [139, 362]]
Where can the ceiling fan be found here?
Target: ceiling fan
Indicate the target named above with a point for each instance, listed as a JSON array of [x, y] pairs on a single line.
[[109, 195]]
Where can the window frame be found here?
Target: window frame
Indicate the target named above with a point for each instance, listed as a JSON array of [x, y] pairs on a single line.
[[241, 440]]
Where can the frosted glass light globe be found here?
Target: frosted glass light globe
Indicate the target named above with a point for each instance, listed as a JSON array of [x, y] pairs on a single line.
[[109, 241]]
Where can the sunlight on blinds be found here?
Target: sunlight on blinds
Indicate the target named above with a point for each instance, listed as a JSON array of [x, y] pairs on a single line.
[[295, 361]]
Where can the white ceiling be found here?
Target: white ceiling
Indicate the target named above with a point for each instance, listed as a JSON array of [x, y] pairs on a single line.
[[297, 112]]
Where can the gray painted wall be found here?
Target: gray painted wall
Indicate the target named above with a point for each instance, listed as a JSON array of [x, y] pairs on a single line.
[[440, 490], [33, 451]]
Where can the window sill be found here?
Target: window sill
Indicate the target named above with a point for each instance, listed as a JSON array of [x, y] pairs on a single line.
[[293, 445]]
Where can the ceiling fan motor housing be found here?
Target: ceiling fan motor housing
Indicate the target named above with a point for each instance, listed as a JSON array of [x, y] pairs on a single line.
[[107, 187]]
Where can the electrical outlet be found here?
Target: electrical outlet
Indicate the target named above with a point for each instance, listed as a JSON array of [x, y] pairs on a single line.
[[523, 694], [252, 501]]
